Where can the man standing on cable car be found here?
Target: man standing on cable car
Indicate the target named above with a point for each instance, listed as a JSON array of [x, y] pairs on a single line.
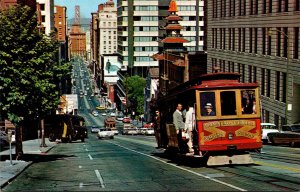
[[179, 124]]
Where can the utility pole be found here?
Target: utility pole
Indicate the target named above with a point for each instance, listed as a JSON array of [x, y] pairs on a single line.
[[126, 94]]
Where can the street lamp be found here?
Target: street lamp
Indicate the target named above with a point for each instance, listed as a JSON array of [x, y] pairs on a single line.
[[287, 68]]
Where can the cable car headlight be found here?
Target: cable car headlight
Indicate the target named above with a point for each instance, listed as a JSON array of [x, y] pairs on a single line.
[[230, 136]]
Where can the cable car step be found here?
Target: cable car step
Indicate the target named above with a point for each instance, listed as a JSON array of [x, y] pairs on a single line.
[[227, 160]]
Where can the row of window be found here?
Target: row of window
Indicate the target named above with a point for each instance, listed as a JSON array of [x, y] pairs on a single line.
[[253, 40], [231, 8], [249, 74], [108, 24], [135, 58]]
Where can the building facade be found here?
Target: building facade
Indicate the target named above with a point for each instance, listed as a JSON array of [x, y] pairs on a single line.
[[259, 40], [107, 18], [46, 12], [60, 24]]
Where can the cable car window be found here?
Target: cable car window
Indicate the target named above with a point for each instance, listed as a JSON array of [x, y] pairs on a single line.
[[228, 103], [208, 103], [248, 102]]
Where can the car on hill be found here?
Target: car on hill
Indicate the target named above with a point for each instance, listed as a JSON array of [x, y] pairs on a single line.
[[94, 129], [266, 129], [126, 120], [105, 133]]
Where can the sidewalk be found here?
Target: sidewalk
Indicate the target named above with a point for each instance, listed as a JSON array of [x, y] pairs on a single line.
[[10, 171]]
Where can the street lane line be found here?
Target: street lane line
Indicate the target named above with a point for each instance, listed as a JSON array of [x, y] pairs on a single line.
[[79, 166], [86, 150], [99, 178], [91, 158], [195, 173]]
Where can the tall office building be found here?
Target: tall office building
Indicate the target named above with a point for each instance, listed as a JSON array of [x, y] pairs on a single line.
[[107, 18], [141, 26], [260, 40]]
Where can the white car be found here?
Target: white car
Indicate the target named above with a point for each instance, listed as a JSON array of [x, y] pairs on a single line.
[[132, 131], [267, 128], [103, 114], [105, 133], [112, 114], [95, 113], [120, 118], [149, 131]]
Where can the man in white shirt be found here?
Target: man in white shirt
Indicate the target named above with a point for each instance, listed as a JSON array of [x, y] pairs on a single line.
[[189, 124]]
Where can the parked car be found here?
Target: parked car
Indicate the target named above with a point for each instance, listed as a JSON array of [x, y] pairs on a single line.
[[289, 134], [132, 131], [105, 133], [267, 128], [94, 129], [112, 114], [126, 120], [149, 131], [103, 114]]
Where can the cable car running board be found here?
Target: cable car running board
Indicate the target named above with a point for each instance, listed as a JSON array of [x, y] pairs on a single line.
[[228, 160]]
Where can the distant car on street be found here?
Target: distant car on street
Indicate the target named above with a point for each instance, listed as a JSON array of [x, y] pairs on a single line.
[[120, 118], [105, 133], [94, 129], [149, 131], [103, 114], [112, 114], [95, 113], [126, 120]]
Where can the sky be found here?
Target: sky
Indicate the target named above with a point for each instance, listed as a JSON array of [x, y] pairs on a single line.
[[86, 6]]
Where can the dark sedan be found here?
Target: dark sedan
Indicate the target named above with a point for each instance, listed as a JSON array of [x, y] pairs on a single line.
[[289, 134]]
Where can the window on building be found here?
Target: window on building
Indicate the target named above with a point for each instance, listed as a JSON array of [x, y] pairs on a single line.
[[269, 44], [240, 7], [243, 73], [42, 6], [244, 39], [270, 6], [250, 40], [250, 73], [296, 43], [255, 40], [221, 39], [213, 38], [239, 39], [283, 91], [279, 3], [224, 38], [286, 5], [254, 74], [262, 78], [233, 9], [278, 47], [268, 83], [263, 51], [256, 7], [251, 7], [277, 87], [216, 39], [264, 7], [229, 39], [43, 18], [233, 39], [285, 44], [297, 5]]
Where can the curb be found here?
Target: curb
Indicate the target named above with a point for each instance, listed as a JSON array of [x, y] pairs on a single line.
[[12, 178], [29, 163]]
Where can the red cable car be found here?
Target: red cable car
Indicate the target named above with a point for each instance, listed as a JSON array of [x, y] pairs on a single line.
[[224, 136]]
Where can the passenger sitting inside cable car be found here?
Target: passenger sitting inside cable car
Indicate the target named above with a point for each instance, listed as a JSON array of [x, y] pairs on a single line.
[[209, 110]]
